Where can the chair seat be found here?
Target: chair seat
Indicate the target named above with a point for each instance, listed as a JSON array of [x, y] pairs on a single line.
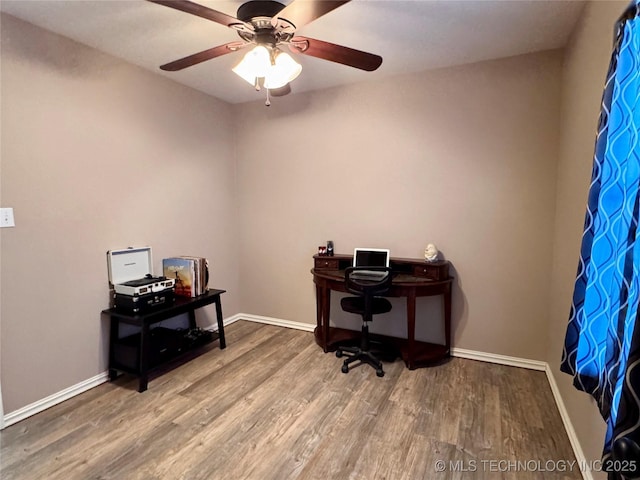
[[356, 305]]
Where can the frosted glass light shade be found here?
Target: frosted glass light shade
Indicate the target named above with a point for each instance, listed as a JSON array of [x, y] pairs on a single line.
[[255, 63], [285, 70]]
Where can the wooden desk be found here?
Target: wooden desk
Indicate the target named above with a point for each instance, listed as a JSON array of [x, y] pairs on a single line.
[[412, 278], [133, 354]]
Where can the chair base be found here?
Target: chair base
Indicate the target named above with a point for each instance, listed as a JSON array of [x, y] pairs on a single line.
[[357, 353]]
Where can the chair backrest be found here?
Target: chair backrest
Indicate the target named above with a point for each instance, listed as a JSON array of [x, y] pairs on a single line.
[[366, 286]]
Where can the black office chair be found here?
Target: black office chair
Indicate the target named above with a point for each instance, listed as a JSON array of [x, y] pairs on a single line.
[[367, 303]]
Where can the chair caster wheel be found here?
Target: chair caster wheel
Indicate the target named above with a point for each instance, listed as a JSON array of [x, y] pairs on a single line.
[[380, 372], [339, 353], [345, 369]]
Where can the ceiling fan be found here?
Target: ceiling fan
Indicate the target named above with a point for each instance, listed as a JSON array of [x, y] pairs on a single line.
[[268, 25]]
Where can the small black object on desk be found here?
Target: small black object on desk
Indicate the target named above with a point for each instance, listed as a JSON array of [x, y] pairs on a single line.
[[138, 354], [330, 248]]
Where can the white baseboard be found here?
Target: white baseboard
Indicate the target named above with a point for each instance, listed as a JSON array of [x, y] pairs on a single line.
[[56, 398], [568, 426], [81, 387], [500, 359], [227, 321], [307, 327]]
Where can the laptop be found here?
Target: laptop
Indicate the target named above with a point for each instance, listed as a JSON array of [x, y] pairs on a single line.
[[370, 257]]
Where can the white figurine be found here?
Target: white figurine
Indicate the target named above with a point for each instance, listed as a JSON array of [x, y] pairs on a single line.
[[431, 253]]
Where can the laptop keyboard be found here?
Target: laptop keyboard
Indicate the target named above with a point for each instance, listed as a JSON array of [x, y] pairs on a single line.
[[368, 275]]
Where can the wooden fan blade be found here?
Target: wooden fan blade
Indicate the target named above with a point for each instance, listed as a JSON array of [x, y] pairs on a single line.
[[305, 11], [205, 12], [202, 56], [335, 53]]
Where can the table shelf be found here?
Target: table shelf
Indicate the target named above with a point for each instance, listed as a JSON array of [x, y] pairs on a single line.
[[152, 348]]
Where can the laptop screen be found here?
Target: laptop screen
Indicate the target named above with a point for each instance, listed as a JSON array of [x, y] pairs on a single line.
[[371, 257]]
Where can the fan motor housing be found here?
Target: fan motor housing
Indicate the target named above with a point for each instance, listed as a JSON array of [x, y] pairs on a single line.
[[258, 8], [260, 13]]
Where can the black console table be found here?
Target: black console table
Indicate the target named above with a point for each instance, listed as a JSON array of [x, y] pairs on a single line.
[[134, 354]]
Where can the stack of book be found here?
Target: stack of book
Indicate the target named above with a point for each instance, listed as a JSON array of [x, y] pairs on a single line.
[[190, 273]]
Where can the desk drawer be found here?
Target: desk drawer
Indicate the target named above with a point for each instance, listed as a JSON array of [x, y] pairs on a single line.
[[326, 263], [432, 271]]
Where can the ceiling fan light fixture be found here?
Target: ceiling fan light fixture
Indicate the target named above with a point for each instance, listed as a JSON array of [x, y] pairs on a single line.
[[255, 64], [284, 70], [275, 67]]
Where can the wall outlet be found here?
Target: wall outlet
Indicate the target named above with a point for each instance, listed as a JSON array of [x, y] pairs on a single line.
[[6, 218]]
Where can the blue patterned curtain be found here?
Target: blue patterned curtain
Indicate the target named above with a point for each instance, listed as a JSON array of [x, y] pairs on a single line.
[[602, 345]]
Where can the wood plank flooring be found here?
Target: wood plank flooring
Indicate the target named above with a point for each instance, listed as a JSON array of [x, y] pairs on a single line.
[[273, 406]]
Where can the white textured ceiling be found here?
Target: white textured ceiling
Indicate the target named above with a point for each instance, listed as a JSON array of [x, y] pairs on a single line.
[[410, 36]]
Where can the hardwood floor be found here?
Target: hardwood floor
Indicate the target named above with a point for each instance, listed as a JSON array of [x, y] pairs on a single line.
[[273, 406]]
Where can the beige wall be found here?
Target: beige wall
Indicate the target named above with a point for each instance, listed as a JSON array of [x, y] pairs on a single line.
[[462, 157], [96, 155], [586, 62]]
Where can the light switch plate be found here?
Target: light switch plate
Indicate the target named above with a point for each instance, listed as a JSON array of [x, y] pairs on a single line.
[[6, 218]]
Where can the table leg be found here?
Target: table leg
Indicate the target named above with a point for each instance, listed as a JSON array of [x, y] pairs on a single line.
[[145, 340], [223, 342], [447, 319], [319, 309], [326, 310], [411, 329], [192, 319], [114, 332], [318, 333]]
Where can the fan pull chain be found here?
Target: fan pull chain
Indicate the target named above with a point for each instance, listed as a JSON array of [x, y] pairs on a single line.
[[268, 102]]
